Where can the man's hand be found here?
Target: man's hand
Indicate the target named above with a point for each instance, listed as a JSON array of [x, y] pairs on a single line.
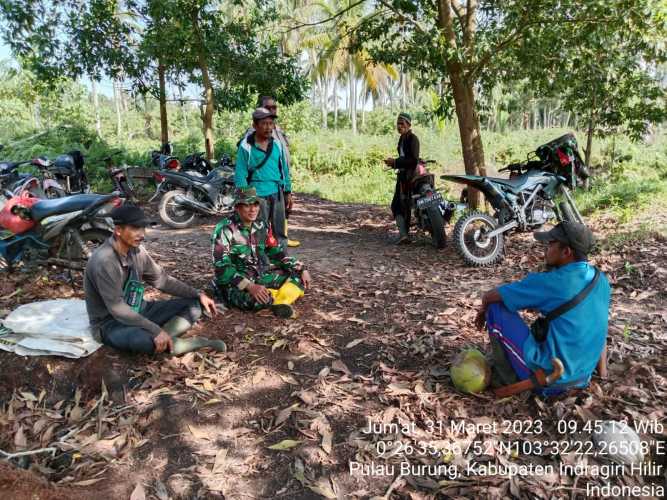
[[289, 202], [390, 162], [306, 279], [163, 342], [490, 297], [259, 293], [480, 319], [208, 304]]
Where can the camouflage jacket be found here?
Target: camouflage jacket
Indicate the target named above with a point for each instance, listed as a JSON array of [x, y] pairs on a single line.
[[242, 254]]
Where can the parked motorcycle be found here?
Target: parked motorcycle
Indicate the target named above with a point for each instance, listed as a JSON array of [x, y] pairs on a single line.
[[15, 182], [212, 194], [62, 231], [431, 211], [119, 177], [523, 202]]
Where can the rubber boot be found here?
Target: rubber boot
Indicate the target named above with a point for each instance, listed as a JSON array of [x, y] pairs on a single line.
[[402, 225], [182, 346], [177, 326], [283, 298], [291, 243]]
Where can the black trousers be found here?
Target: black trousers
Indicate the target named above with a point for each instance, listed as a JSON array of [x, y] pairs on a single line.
[[273, 213], [137, 340]]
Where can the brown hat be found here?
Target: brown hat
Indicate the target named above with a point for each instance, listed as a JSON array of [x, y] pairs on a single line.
[[577, 236]]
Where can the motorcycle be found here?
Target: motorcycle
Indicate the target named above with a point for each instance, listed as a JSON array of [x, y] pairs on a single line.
[[165, 161], [67, 170], [62, 231], [523, 202], [15, 182], [430, 209], [120, 178], [212, 194]]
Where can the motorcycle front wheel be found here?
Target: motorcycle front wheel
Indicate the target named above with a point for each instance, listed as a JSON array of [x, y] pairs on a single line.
[[471, 241], [173, 214]]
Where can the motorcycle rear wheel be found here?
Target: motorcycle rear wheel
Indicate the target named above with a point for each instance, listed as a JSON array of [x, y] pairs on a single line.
[[173, 214], [438, 236], [91, 239], [471, 243]]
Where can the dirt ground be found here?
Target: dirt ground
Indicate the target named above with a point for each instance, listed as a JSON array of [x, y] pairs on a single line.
[[282, 414]]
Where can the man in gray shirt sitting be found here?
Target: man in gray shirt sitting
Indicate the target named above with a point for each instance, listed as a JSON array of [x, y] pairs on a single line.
[[114, 289]]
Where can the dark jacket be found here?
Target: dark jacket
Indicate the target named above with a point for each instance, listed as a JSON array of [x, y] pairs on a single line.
[[408, 156]]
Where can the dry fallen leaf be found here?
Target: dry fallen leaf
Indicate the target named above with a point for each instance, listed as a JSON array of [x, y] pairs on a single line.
[[139, 493], [220, 461], [285, 444], [349, 345]]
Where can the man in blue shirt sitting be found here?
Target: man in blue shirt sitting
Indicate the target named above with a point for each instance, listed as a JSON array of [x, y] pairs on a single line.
[[261, 162], [577, 337]]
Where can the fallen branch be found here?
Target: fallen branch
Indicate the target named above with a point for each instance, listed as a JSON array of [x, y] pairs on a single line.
[[8, 456]]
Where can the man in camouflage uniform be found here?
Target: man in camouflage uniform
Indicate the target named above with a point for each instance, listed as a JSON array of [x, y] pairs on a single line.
[[252, 271]]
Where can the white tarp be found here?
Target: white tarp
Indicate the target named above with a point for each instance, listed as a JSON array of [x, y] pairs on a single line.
[[49, 328]]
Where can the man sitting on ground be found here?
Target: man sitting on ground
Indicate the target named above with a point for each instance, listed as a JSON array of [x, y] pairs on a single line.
[[577, 337], [114, 288], [252, 271]]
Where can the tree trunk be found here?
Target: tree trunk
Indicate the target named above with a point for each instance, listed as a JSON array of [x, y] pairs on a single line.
[[589, 134], [37, 114], [164, 124], [323, 104], [464, 101], [96, 107], [148, 120], [208, 87], [116, 98], [335, 102], [353, 98]]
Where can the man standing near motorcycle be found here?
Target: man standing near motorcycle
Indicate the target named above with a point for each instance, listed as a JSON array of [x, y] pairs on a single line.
[[252, 271], [114, 289], [278, 134], [262, 164], [576, 294], [405, 164]]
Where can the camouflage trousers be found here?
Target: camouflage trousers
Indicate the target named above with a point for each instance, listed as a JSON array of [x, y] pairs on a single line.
[[241, 299]]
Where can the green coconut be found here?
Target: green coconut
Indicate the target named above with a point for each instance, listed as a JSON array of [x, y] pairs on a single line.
[[470, 372]]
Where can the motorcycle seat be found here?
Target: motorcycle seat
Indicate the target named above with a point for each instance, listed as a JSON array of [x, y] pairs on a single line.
[[47, 208], [515, 183]]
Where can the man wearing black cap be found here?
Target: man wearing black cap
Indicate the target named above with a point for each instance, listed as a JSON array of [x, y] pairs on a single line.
[[261, 162], [577, 336], [114, 289], [405, 164]]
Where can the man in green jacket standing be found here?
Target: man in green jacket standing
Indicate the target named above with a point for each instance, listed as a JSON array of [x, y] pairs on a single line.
[[261, 163]]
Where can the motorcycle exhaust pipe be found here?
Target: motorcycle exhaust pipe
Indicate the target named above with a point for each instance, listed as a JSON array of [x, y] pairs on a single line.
[[193, 205]]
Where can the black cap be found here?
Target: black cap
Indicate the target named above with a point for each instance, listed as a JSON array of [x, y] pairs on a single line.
[[130, 215], [577, 236]]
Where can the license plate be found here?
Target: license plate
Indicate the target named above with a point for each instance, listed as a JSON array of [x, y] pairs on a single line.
[[429, 200]]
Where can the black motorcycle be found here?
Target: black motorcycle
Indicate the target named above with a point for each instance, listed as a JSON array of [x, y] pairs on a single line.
[[431, 211], [212, 194], [164, 161], [64, 176], [523, 202]]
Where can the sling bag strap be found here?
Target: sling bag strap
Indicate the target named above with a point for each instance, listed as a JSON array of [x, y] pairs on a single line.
[[267, 155], [562, 309]]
